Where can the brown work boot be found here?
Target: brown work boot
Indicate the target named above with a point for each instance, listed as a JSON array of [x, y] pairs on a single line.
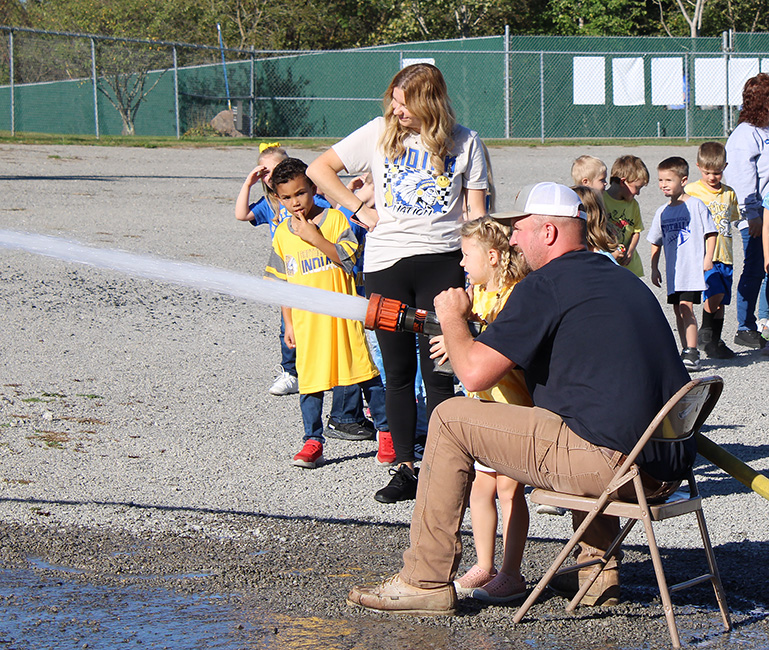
[[394, 595], [603, 592]]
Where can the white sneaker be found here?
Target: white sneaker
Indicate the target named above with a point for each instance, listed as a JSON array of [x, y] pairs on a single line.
[[543, 509], [284, 384]]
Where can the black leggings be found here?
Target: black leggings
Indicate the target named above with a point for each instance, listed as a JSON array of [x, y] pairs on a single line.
[[414, 281]]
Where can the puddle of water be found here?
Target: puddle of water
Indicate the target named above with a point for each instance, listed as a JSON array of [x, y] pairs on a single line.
[[38, 612], [55, 612], [58, 612]]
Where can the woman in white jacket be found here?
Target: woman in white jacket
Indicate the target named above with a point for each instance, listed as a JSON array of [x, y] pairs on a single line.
[[747, 172]]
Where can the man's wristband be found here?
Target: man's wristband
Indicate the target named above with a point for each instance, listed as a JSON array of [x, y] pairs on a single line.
[[362, 203]]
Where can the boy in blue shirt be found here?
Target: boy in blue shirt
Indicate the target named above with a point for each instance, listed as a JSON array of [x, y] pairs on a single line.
[[685, 229]]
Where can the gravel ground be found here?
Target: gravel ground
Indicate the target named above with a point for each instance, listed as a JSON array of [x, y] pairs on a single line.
[[139, 445]]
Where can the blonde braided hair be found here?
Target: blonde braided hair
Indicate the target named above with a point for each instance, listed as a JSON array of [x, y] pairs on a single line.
[[492, 234]]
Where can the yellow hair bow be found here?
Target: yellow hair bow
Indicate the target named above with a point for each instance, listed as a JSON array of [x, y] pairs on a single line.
[[268, 145]]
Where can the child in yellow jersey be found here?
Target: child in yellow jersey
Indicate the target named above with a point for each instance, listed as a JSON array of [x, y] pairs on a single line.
[[493, 270], [316, 247], [724, 208], [629, 176]]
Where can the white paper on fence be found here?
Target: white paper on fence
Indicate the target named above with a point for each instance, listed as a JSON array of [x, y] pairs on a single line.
[[740, 70], [668, 81], [408, 62], [589, 80], [765, 65], [628, 84], [709, 82]]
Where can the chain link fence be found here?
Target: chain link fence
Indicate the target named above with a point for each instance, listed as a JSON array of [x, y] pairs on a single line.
[[537, 88]]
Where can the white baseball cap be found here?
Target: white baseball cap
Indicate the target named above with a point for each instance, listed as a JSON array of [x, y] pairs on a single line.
[[549, 199]]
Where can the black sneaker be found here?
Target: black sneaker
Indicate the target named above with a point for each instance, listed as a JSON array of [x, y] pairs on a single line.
[[748, 338], [704, 336], [350, 430], [691, 358], [718, 350], [402, 485]]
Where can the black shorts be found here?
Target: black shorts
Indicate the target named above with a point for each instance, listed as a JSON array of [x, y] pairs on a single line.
[[685, 296]]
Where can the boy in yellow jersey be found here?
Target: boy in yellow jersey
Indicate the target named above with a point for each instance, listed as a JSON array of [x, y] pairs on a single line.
[[316, 247], [723, 205]]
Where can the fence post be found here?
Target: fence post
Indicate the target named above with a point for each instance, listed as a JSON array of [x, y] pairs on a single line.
[[725, 49], [687, 94], [176, 94], [13, 107], [95, 87], [507, 81], [251, 100], [731, 109], [542, 96]]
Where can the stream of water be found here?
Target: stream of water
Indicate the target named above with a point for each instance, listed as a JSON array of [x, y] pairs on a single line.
[[208, 278]]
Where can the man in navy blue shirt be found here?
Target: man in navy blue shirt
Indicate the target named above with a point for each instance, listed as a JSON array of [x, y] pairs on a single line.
[[600, 360]]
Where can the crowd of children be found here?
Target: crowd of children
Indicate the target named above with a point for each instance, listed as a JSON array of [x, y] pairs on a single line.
[[693, 230], [316, 245]]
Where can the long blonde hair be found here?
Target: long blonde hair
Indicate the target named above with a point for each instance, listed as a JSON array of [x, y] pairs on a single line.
[[493, 235], [427, 98], [598, 235], [275, 150]]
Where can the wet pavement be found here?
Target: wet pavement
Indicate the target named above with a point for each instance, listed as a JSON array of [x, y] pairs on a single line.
[[79, 588]]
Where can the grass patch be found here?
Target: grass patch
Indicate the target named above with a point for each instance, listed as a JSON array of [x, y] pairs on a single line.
[[17, 481], [152, 142], [35, 400], [72, 418], [203, 141], [53, 395], [51, 439], [90, 395]]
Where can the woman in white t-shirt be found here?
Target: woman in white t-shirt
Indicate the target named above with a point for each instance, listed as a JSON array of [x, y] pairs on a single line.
[[425, 167]]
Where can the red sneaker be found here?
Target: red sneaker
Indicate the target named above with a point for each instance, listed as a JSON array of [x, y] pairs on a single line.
[[385, 455], [311, 455]]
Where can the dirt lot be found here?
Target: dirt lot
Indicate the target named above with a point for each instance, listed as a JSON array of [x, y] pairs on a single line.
[[145, 490]]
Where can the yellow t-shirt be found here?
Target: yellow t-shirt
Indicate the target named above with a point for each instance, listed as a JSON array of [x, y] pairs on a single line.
[[625, 216], [511, 389], [724, 209], [329, 351]]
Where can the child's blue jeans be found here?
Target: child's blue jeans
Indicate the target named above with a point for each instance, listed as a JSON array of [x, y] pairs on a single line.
[[311, 405], [750, 281]]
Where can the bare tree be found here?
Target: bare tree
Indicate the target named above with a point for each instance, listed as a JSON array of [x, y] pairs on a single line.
[[124, 73], [697, 7]]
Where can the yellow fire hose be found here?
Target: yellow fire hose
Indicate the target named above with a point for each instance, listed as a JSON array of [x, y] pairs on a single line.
[[733, 466]]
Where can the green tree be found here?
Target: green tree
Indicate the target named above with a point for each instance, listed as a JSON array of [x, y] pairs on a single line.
[[12, 12], [122, 69], [596, 18], [739, 15]]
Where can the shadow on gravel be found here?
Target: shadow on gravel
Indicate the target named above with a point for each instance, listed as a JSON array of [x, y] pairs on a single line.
[[714, 481], [39, 503], [742, 359]]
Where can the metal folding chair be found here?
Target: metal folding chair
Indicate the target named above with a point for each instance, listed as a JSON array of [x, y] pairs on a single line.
[[679, 419]]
